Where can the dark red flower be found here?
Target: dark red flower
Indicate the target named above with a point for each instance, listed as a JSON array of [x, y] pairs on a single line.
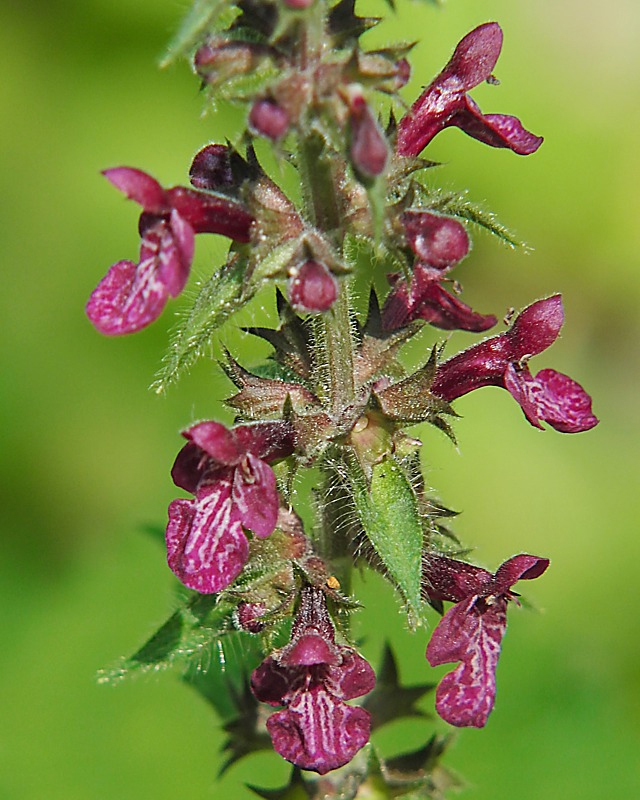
[[471, 631], [369, 151], [502, 360], [234, 488], [131, 296], [445, 101], [312, 677]]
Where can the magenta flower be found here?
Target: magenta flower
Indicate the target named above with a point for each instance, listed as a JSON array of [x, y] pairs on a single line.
[[445, 101], [438, 243], [471, 631], [234, 488], [312, 677], [501, 360], [131, 296]]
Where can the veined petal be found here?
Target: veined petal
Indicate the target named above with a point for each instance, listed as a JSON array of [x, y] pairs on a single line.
[[128, 298], [206, 548], [552, 397], [138, 186], [176, 254], [448, 579], [354, 677], [319, 732], [211, 168], [536, 327], [443, 310], [465, 696], [255, 495], [271, 682]]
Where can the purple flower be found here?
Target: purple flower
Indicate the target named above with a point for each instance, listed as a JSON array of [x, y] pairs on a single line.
[[131, 296], [501, 360], [312, 677], [439, 243], [312, 287], [234, 488], [471, 631], [445, 101]]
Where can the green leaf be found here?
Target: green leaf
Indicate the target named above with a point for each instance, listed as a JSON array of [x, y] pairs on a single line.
[[205, 17], [218, 299], [389, 513], [187, 633]]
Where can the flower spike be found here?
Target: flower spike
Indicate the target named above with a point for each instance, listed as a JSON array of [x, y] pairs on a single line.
[[445, 101]]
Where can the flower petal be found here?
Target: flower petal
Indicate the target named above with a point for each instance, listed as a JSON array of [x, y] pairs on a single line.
[[553, 398], [448, 579], [472, 636], [255, 495], [176, 254], [318, 732], [138, 186], [211, 213], [354, 677], [536, 328], [518, 568], [128, 298], [206, 548], [496, 130], [216, 441], [211, 168], [270, 682]]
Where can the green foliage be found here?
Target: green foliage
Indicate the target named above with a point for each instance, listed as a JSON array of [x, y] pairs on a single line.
[[205, 17], [389, 513], [187, 634], [218, 299]]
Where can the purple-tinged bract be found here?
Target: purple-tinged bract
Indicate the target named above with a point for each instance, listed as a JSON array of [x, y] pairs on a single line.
[[445, 101], [234, 488], [312, 677], [471, 631]]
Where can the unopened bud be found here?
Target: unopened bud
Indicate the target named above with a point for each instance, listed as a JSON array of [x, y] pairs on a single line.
[[268, 119], [369, 151], [248, 616], [220, 60], [298, 5], [312, 287]]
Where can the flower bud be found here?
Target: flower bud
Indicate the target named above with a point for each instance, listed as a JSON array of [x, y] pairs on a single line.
[[268, 119], [312, 287], [368, 151]]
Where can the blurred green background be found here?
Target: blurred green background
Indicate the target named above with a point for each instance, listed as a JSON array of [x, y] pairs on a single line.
[[87, 448]]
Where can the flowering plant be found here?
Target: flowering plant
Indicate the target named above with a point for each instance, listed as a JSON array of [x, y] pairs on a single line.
[[334, 396]]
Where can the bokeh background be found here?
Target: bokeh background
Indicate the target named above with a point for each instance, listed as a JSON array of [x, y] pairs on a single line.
[[87, 448]]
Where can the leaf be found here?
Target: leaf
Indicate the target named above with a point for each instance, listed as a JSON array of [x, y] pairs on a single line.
[[205, 17], [460, 206], [218, 299], [389, 513], [187, 633]]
